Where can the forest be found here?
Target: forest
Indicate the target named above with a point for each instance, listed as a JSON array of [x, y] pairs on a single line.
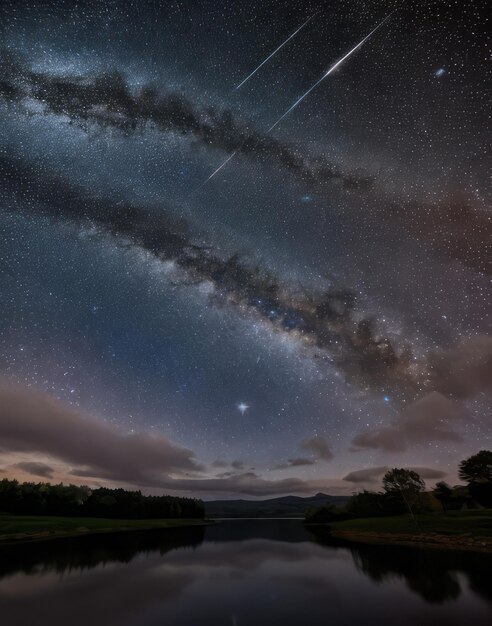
[[81, 501]]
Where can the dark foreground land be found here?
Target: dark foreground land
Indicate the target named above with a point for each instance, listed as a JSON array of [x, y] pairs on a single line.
[[22, 528], [454, 530]]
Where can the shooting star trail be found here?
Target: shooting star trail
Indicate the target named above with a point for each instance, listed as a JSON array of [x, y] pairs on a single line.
[[244, 81], [332, 69], [299, 100], [275, 51], [216, 171]]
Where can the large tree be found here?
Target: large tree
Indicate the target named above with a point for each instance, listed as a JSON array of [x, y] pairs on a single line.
[[405, 483], [477, 468], [477, 472]]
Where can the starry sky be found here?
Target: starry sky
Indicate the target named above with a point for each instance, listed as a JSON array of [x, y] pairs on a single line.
[[312, 312]]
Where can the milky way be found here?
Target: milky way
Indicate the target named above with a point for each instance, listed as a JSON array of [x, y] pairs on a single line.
[[333, 278]]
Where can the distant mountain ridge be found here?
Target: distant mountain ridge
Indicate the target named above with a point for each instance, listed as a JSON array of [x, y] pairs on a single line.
[[285, 506]]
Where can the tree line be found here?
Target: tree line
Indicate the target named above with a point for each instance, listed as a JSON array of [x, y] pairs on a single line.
[[404, 491], [81, 501]]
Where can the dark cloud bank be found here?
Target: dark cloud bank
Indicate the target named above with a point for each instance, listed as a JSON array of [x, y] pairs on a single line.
[[35, 423], [41, 470]]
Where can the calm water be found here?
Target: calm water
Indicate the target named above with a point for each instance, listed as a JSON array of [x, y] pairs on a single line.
[[239, 572]]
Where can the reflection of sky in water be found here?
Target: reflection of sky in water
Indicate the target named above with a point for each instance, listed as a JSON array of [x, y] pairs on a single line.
[[241, 575]]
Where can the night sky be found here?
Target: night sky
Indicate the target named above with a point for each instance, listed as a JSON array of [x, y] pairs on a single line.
[[316, 311]]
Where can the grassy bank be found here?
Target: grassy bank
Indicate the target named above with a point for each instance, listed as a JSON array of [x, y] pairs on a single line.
[[455, 530], [16, 528]]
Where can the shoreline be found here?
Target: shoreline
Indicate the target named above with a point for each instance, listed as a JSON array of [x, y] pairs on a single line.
[[433, 541], [458, 531], [88, 526]]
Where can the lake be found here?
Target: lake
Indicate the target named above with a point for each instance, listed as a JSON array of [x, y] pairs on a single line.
[[238, 573]]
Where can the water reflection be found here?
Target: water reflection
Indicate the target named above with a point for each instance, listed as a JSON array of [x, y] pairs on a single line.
[[87, 552], [433, 575], [238, 572]]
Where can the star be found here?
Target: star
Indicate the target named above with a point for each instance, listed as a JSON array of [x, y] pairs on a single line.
[[243, 407]]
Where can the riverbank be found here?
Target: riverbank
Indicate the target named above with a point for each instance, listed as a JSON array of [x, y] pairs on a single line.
[[24, 528], [455, 530]]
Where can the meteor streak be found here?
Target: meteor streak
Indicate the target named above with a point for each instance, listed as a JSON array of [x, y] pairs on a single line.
[[275, 51], [332, 69], [216, 171], [299, 100]]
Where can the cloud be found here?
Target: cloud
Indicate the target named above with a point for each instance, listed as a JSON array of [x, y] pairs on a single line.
[[247, 483], [427, 420], [220, 464], [237, 465], [318, 446], [464, 370], [108, 101], [375, 474], [297, 462], [34, 422], [35, 468], [369, 475], [429, 472]]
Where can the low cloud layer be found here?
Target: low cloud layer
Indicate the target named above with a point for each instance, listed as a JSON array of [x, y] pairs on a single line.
[[41, 470], [296, 462], [375, 474], [33, 422]]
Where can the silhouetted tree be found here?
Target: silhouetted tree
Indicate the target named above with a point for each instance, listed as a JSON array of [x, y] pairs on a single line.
[[443, 493], [325, 514], [72, 500], [406, 483], [477, 468], [477, 472], [372, 504]]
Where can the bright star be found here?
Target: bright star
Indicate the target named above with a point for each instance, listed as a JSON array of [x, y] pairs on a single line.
[[243, 407]]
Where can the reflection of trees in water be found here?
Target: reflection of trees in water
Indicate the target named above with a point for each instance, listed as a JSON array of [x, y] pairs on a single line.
[[82, 553], [86, 552], [423, 574], [432, 574]]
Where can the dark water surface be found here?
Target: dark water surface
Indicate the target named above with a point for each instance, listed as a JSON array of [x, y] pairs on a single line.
[[238, 573]]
